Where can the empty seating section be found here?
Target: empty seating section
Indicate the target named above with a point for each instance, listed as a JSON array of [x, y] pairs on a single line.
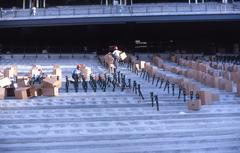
[[165, 114]]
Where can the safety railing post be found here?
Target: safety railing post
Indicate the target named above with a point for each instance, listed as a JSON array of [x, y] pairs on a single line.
[[173, 89], [139, 91], [152, 97], [67, 84], [153, 79], [156, 99], [157, 82]]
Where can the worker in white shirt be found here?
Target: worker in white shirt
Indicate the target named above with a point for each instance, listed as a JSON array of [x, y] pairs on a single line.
[[116, 55], [34, 11]]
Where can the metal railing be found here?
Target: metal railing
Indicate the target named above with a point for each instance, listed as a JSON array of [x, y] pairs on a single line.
[[144, 9]]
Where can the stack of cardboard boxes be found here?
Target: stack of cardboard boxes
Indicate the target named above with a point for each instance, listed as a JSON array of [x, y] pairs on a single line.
[[86, 71], [11, 72], [48, 87]]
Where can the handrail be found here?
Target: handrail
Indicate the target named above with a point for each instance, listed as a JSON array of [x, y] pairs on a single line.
[[122, 10]]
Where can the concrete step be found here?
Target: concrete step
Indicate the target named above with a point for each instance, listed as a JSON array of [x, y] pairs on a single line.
[[230, 144]]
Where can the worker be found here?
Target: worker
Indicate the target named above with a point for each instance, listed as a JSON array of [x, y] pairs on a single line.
[[76, 74], [37, 76], [34, 11], [116, 55]]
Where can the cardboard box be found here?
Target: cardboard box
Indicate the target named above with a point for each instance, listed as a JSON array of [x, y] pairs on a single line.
[[35, 91], [57, 79], [22, 81], [194, 65], [203, 67], [142, 64], [10, 92], [194, 104], [190, 74], [221, 83], [228, 85], [136, 67], [155, 58], [215, 97], [109, 59], [58, 72], [56, 66], [87, 71], [203, 78], [123, 56], [5, 82], [147, 66], [51, 91], [173, 58], [111, 68], [50, 82], [210, 80], [23, 93], [195, 88], [199, 76], [220, 66], [8, 72], [159, 62], [235, 76], [205, 97], [216, 82], [153, 70], [2, 93], [15, 71], [226, 75]]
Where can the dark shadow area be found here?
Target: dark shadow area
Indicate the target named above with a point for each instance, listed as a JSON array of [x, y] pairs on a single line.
[[208, 37]]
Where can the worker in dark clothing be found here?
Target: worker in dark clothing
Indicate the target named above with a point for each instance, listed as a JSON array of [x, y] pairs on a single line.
[[76, 75]]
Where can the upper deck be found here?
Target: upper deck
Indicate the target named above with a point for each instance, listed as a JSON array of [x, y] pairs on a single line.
[[120, 14]]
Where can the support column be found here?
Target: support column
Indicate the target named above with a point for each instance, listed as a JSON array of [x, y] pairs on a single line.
[[225, 1], [196, 1], [120, 2], [106, 2], [24, 4], [44, 3], [125, 2], [203, 1], [131, 2], [189, 1], [37, 3], [30, 3]]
